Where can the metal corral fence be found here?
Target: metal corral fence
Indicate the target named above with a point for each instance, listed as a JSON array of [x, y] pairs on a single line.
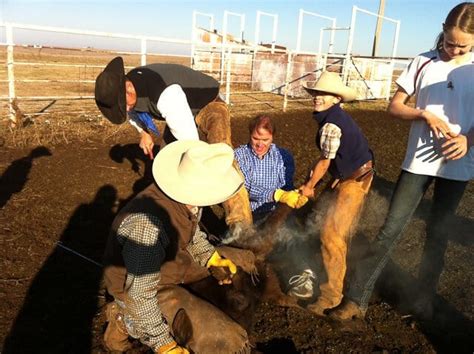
[[44, 79]]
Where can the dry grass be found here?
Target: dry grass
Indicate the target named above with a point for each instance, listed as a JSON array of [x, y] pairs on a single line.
[[49, 121], [64, 120], [53, 129]]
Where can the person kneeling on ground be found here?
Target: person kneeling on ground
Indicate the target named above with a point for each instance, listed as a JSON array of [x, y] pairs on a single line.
[[345, 154], [156, 243]]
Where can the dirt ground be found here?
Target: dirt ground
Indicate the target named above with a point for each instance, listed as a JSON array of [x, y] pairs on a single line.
[[57, 202]]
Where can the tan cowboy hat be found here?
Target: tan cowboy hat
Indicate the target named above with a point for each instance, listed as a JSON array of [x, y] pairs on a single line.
[[331, 82], [110, 91], [197, 173]]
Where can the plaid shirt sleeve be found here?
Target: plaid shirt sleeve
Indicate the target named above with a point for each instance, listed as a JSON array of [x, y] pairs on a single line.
[[199, 248], [330, 140], [144, 242]]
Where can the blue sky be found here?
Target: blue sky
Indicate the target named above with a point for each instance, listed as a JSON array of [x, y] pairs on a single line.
[[420, 20]]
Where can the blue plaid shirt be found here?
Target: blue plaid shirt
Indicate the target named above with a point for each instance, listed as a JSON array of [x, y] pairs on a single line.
[[264, 176]]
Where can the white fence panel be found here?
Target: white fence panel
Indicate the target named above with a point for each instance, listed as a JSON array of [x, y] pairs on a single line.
[[36, 72]]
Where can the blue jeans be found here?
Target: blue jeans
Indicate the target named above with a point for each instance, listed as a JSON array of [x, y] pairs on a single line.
[[408, 193]]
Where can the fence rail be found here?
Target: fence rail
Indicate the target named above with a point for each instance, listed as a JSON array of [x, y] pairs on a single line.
[[43, 73]]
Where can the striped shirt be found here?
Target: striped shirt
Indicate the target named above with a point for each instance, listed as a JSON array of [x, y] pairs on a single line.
[[144, 242], [264, 176], [330, 140]]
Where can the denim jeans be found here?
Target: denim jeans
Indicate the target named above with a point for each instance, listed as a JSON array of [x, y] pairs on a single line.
[[408, 193]]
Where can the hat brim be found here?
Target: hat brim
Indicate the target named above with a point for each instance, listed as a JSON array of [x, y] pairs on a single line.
[[111, 82], [192, 191], [347, 94]]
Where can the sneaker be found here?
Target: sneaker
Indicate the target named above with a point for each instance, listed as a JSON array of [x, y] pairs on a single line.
[[302, 284]]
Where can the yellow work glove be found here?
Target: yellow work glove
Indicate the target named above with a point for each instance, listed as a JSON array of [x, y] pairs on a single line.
[[171, 348], [292, 198], [302, 200], [222, 269], [217, 261]]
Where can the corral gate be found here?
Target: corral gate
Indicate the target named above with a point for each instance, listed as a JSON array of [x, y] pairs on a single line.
[[282, 71]]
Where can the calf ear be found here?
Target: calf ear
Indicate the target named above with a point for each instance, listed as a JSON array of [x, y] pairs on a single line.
[[182, 328]]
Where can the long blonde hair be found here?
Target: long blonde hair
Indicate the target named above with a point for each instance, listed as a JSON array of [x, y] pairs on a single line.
[[460, 16]]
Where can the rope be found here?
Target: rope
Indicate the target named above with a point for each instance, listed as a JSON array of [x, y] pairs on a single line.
[[60, 244]]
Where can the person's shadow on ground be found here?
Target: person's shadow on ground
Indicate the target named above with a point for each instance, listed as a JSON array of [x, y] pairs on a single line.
[[448, 330], [15, 176], [60, 305], [140, 164]]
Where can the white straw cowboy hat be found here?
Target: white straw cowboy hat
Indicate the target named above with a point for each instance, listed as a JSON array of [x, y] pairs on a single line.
[[331, 82], [196, 173]]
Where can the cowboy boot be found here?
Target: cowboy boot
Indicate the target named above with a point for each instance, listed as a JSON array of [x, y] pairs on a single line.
[[116, 335], [238, 212], [213, 123], [320, 306], [347, 310]]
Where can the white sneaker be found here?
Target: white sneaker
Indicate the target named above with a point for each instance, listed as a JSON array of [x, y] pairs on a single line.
[[302, 284]]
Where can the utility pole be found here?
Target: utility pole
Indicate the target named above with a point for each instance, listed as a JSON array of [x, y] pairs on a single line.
[[378, 28]]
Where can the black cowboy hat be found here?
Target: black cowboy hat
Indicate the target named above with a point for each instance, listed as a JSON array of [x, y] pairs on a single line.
[[110, 91]]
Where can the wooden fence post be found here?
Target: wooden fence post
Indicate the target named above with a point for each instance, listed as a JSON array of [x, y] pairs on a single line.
[[11, 75]]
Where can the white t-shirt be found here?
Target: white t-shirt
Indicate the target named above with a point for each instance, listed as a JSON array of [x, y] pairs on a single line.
[[446, 90]]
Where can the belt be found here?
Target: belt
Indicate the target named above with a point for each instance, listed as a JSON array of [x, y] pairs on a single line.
[[366, 170], [363, 171]]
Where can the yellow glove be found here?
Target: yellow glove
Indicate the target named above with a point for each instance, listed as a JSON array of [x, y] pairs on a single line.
[[217, 261], [172, 348], [292, 198], [302, 200]]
